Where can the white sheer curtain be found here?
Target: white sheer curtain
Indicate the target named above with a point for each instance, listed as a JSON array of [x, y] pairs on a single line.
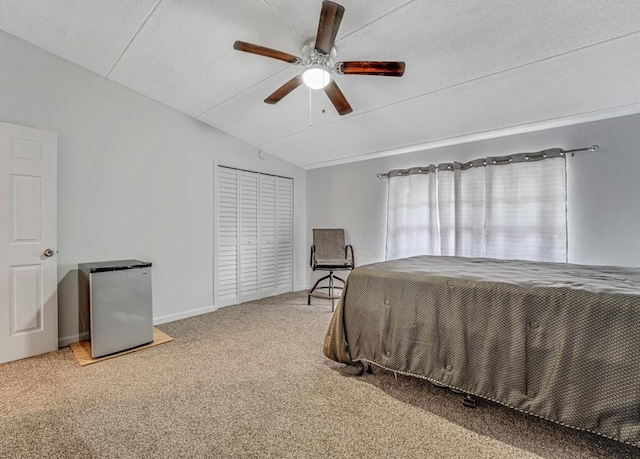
[[512, 210], [446, 209], [526, 211], [470, 211], [412, 226]]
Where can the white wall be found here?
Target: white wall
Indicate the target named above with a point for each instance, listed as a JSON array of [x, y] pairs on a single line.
[[603, 189], [135, 180]]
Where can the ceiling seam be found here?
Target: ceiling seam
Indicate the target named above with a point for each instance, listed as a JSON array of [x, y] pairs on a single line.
[[241, 92], [462, 83], [132, 38], [290, 26], [374, 21], [422, 146], [277, 14]]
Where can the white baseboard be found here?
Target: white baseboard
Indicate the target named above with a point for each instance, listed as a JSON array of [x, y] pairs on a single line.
[[66, 340], [183, 315], [301, 287]]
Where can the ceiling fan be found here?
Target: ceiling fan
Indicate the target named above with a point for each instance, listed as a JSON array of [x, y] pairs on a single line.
[[318, 61]]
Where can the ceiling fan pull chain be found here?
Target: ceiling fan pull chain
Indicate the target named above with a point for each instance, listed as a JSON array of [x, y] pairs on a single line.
[[310, 111], [324, 96]]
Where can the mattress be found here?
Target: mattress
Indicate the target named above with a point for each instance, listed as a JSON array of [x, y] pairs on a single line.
[[555, 340]]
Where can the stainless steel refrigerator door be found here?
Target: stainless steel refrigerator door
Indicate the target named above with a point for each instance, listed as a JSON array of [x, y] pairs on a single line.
[[121, 310]]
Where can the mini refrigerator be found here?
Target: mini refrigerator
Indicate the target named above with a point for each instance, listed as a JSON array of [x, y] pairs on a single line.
[[120, 304]]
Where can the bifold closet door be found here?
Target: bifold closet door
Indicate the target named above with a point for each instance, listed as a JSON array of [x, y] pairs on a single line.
[[284, 230], [248, 285], [255, 236], [227, 224], [268, 239]]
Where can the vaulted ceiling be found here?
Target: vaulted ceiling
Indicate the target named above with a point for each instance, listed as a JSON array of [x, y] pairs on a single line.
[[472, 67]]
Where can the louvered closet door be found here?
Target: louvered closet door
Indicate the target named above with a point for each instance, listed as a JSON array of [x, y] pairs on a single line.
[[255, 236], [248, 230], [227, 286], [284, 233], [267, 259]]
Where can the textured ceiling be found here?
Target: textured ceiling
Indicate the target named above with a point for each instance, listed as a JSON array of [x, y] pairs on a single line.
[[472, 67]]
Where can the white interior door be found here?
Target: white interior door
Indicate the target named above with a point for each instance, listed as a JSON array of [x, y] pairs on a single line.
[[28, 271]]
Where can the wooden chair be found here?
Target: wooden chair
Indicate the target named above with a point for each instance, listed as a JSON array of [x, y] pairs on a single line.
[[329, 253]]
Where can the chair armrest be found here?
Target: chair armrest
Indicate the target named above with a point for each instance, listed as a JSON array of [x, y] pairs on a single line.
[[349, 247], [312, 257]]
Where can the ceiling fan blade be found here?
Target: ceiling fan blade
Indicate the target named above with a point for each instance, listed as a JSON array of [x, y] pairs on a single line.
[[330, 18], [337, 98], [283, 90], [371, 68], [267, 52]]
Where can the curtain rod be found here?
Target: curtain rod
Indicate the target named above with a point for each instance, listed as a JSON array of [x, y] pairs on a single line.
[[482, 161], [591, 148]]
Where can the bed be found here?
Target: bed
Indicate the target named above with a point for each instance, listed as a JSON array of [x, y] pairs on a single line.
[[555, 340]]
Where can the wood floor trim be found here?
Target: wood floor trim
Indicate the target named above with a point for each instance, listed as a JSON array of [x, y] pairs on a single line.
[[82, 350]]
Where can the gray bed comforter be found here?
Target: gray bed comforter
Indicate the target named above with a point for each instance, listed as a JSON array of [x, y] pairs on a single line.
[[555, 340]]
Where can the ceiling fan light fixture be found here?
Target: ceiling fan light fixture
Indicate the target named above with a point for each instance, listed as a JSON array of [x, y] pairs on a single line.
[[316, 77], [317, 62]]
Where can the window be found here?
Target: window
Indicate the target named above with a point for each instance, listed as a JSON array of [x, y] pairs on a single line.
[[509, 207]]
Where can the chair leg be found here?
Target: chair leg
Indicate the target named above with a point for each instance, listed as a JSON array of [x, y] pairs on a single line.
[[332, 278], [339, 278], [331, 291], [319, 280]]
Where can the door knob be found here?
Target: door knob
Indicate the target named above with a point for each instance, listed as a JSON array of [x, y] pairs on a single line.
[[48, 253]]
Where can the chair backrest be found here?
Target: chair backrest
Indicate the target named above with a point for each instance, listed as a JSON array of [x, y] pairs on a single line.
[[329, 243]]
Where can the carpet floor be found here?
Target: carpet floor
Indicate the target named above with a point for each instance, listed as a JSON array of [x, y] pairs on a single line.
[[251, 381]]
